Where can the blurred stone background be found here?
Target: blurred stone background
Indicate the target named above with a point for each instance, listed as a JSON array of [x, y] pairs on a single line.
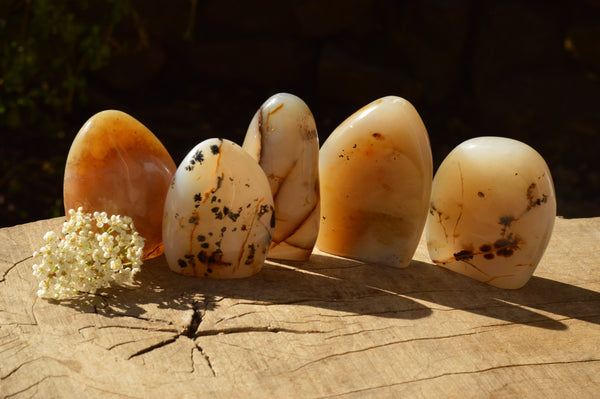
[[190, 70]]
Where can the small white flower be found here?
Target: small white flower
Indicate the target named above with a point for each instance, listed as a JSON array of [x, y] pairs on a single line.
[[83, 260], [50, 237], [116, 264]]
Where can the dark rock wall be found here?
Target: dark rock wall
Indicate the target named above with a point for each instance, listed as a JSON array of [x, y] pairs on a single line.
[[523, 69]]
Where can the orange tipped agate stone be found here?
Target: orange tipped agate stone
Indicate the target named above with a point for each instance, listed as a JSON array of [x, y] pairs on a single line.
[[116, 165]]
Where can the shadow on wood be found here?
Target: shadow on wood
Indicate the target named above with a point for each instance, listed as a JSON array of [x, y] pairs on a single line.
[[350, 286], [433, 284], [276, 284]]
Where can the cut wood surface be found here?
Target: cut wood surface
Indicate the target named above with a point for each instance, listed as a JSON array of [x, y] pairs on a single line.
[[329, 327]]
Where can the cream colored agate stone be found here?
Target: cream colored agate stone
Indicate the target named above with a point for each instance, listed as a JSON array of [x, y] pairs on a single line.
[[492, 211], [218, 217], [283, 138], [116, 165], [375, 174]]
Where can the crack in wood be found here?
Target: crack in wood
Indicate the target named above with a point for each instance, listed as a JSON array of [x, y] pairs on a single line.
[[206, 358], [16, 323], [112, 393], [500, 304], [143, 328], [378, 313], [138, 317], [38, 382], [370, 330], [336, 268], [9, 347], [35, 320], [237, 316], [253, 351], [192, 328], [484, 307], [10, 268], [566, 302], [26, 362], [111, 347], [34, 360], [340, 354], [539, 321], [152, 347], [259, 329], [493, 326], [466, 372], [314, 300], [189, 330]]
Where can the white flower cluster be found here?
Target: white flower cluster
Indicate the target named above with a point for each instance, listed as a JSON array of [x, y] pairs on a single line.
[[93, 251]]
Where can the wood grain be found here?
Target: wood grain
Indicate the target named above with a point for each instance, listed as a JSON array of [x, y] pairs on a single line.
[[328, 327]]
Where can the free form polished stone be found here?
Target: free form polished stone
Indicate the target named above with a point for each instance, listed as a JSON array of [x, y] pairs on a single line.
[[375, 175], [492, 211], [116, 165], [283, 139], [218, 217]]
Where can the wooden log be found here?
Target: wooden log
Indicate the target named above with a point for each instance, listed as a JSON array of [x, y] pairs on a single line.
[[328, 327]]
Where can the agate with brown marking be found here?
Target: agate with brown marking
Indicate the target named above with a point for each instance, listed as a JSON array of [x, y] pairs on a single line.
[[218, 216], [492, 211], [116, 165], [283, 138], [375, 174]]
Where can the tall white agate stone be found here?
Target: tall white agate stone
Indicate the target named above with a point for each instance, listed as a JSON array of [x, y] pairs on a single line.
[[283, 138], [375, 173], [492, 211]]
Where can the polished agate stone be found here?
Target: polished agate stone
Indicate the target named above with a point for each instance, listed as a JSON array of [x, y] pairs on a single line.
[[375, 175], [492, 211], [283, 138], [219, 216], [116, 165]]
